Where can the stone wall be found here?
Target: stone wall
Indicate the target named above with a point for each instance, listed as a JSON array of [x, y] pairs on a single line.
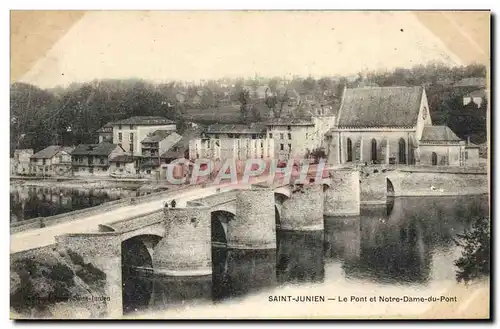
[[438, 184], [103, 250], [254, 226], [343, 197], [186, 248], [303, 211]]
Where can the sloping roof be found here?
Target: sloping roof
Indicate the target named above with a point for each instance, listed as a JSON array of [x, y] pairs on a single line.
[[156, 136], [478, 93], [126, 158], [252, 128], [50, 151], [94, 149], [108, 127], [289, 122], [380, 107], [471, 82], [182, 145], [144, 120], [438, 134]]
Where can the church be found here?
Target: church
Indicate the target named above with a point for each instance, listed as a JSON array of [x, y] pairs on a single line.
[[392, 125]]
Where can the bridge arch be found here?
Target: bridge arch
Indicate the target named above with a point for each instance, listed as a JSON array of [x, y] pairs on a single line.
[[137, 257], [219, 220]]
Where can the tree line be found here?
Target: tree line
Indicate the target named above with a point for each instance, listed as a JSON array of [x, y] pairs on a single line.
[[72, 115]]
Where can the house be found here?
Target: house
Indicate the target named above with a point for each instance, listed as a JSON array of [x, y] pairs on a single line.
[[155, 144], [21, 162], [477, 97], [94, 159], [129, 133], [471, 82], [124, 165], [51, 161], [181, 149], [390, 125], [105, 133], [232, 141], [295, 138]]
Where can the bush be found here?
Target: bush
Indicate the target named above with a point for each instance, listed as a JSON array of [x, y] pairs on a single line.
[[475, 260]]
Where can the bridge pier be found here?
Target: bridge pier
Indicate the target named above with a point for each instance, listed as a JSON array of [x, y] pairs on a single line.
[[343, 197], [255, 225], [186, 249], [303, 211]]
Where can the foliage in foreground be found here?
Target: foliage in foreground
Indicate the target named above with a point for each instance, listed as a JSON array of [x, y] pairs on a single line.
[[475, 260]]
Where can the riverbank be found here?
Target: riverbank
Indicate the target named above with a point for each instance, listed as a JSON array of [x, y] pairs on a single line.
[[55, 284]]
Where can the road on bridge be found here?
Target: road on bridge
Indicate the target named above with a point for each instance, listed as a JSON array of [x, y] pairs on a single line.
[[41, 237]]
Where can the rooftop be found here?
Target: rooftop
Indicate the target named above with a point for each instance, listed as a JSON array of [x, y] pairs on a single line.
[[471, 82], [126, 158], [439, 134], [177, 150], [144, 120], [157, 135], [108, 127], [395, 107], [289, 122], [94, 149], [253, 128], [50, 151]]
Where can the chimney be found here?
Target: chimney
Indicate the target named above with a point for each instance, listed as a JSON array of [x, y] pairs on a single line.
[[468, 140]]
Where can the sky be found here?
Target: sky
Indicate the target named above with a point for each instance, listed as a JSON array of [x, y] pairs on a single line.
[[191, 46]]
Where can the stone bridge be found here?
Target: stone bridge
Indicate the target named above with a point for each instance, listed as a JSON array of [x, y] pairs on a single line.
[[178, 241]]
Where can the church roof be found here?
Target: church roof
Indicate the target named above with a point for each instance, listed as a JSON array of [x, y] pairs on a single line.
[[370, 107], [439, 134]]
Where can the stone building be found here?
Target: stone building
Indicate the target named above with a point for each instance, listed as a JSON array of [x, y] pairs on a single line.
[[129, 133], [94, 159], [297, 137], [52, 160], [153, 146], [390, 125], [232, 141], [105, 133], [21, 162]]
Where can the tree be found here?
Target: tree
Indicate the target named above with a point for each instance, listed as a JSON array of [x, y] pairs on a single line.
[[244, 99], [475, 260]]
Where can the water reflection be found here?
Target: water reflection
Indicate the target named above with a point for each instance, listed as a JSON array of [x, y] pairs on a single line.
[[28, 202], [405, 242], [300, 257]]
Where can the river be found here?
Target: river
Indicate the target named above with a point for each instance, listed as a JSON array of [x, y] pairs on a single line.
[[28, 202], [406, 244]]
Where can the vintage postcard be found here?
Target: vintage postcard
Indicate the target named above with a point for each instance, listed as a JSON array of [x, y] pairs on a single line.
[[250, 165]]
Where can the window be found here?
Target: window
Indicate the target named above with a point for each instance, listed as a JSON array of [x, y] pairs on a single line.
[[101, 161], [148, 171], [307, 135], [120, 137], [261, 144], [131, 127], [281, 136], [118, 165], [349, 150], [270, 135], [131, 137], [290, 136], [254, 136], [289, 147], [230, 135], [237, 136], [374, 150], [131, 147], [466, 155], [43, 161], [120, 127], [289, 128], [282, 147]]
